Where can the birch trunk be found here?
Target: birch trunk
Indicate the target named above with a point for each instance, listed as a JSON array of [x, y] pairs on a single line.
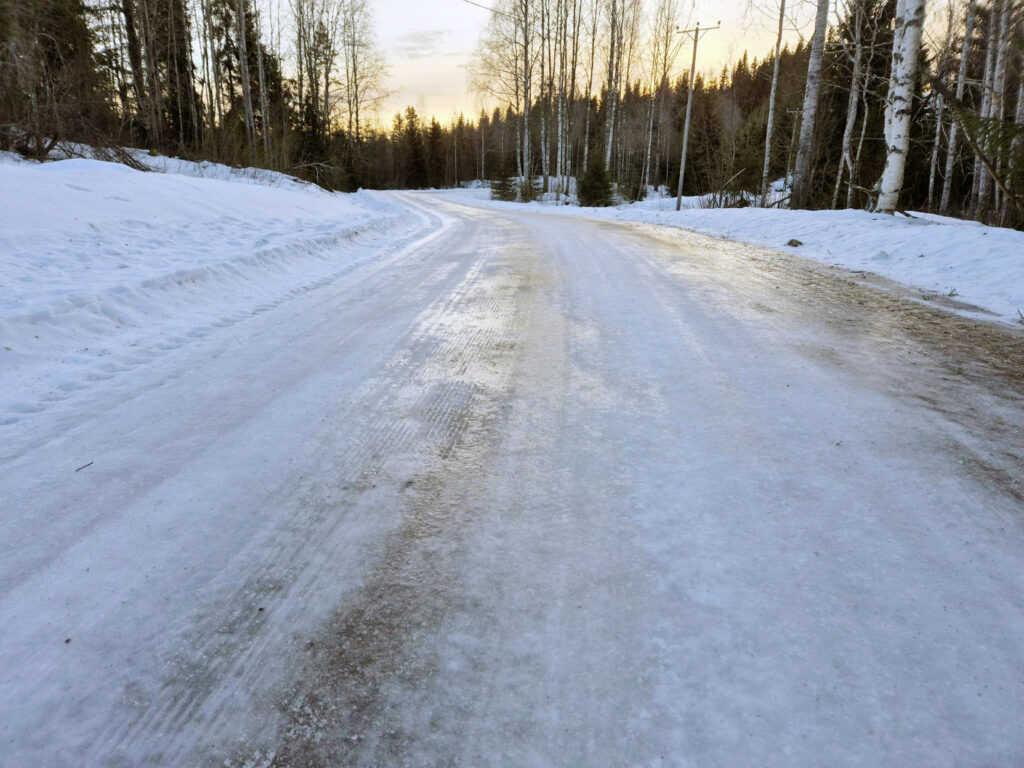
[[545, 93], [243, 62], [527, 92], [961, 84], [300, 56], [939, 105], [860, 140], [995, 110], [805, 148], [1008, 203], [770, 128], [577, 20], [590, 89], [612, 97], [980, 176], [261, 74], [645, 182], [934, 162], [846, 154], [906, 49], [562, 48], [155, 90], [215, 88]]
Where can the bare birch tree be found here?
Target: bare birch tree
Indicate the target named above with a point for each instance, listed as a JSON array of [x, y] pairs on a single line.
[[856, 56], [665, 44], [364, 67], [905, 53], [961, 84], [805, 148], [939, 104], [773, 92], [994, 111]]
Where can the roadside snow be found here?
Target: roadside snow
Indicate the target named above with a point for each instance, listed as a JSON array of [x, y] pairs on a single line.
[[98, 260], [208, 170], [979, 265], [204, 169]]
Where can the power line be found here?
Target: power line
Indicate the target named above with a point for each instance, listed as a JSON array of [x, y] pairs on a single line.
[[492, 10]]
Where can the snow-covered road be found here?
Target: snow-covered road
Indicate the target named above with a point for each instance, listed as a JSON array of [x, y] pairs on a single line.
[[530, 491]]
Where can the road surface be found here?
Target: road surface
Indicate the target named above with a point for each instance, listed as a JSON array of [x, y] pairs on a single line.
[[537, 492]]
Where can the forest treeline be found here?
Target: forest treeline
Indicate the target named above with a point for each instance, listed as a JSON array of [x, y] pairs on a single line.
[[883, 107]]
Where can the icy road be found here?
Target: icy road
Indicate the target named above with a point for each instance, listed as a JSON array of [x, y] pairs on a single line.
[[529, 491]]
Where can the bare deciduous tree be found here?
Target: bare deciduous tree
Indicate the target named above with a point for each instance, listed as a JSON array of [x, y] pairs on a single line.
[[906, 50]]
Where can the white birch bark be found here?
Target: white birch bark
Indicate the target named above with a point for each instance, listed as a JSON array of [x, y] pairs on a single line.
[[846, 153], [527, 73], [243, 65], [590, 86], [545, 92], [1015, 145], [261, 74], [906, 49], [939, 105], [961, 84], [805, 148], [863, 129], [980, 175], [995, 106], [770, 127], [562, 44], [612, 90], [646, 180], [570, 165]]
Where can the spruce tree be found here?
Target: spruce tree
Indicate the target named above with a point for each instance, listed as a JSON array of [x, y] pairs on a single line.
[[504, 185], [416, 172], [595, 189]]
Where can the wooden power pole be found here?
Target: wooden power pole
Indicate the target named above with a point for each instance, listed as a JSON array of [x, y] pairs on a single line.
[[696, 33]]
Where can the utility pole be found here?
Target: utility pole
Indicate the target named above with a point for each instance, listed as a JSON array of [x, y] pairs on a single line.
[[696, 34]]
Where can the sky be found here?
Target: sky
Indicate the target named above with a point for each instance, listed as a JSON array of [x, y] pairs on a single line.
[[429, 43]]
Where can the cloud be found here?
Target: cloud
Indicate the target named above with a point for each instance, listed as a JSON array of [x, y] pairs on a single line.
[[420, 44]]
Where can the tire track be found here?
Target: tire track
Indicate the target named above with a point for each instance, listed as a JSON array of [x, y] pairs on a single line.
[[412, 415]]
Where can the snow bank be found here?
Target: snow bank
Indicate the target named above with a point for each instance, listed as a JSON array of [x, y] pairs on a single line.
[[204, 169], [208, 170], [96, 258], [983, 266], [83, 226]]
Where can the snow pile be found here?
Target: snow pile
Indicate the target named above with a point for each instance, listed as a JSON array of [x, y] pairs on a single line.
[[96, 258], [204, 169], [207, 170], [980, 265]]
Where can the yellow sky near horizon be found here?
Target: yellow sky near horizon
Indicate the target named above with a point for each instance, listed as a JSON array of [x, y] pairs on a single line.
[[429, 44]]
